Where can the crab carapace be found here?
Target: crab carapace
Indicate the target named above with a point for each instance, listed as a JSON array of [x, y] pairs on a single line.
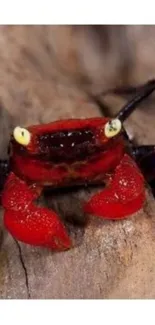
[[72, 152]]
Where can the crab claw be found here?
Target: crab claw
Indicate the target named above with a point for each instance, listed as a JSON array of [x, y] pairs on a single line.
[[124, 196], [29, 223]]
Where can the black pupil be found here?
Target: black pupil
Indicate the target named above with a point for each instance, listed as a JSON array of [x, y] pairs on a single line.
[[112, 127]]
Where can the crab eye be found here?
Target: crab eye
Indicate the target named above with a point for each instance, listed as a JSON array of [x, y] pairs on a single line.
[[112, 128], [22, 136]]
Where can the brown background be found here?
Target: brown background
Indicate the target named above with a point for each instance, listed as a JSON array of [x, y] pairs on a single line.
[[49, 73]]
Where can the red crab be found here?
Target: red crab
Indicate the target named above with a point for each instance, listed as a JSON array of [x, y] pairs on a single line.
[[66, 153]]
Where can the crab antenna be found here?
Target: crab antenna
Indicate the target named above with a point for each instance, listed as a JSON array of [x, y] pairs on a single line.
[[143, 93]]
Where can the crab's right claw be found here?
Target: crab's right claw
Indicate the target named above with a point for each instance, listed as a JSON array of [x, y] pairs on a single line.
[[29, 223], [38, 227]]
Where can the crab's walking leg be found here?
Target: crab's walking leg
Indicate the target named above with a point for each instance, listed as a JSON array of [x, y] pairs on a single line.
[[124, 196], [4, 171], [26, 221], [140, 153], [145, 158]]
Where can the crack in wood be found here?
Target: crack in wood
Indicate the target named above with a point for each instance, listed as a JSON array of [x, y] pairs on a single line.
[[24, 268]]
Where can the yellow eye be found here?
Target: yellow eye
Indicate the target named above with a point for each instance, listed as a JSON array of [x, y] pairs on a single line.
[[22, 136], [112, 128]]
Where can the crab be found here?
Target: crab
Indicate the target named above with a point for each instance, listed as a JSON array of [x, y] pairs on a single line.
[[66, 153]]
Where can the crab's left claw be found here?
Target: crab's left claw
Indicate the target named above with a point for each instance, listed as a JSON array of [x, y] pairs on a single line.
[[29, 223], [124, 196]]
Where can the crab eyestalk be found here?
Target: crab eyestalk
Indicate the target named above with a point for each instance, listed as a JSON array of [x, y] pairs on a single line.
[[143, 93]]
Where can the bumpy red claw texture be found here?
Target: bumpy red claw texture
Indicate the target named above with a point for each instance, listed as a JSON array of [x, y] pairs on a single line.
[[124, 196], [29, 223]]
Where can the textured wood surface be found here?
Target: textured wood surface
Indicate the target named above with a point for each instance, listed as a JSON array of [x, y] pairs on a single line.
[[110, 259]]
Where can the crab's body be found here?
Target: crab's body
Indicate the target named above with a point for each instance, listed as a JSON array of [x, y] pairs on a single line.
[[67, 153]]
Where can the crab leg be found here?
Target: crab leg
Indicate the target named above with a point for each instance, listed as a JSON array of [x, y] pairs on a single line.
[[145, 158], [140, 152], [124, 196], [4, 171], [26, 221]]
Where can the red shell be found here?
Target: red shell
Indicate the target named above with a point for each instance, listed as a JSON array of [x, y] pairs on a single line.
[[65, 173]]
